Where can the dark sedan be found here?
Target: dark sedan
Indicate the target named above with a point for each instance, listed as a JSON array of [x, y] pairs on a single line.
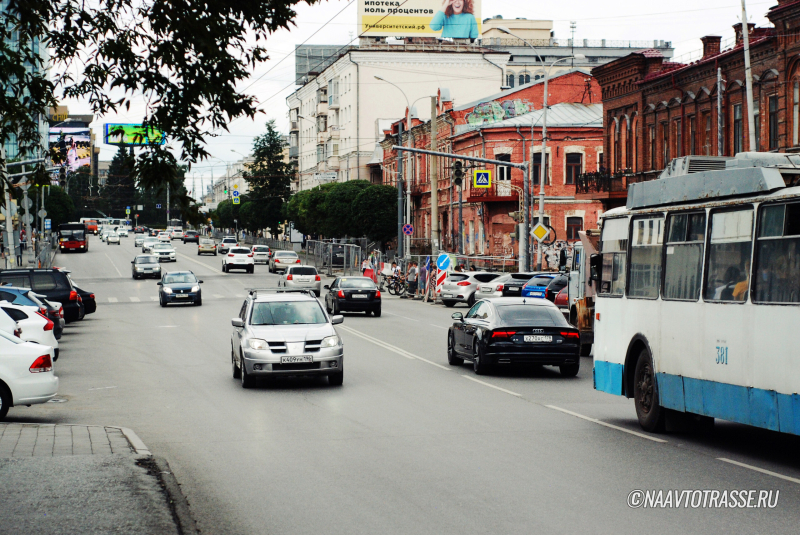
[[513, 330], [353, 294], [89, 301], [180, 287], [555, 286], [191, 236]]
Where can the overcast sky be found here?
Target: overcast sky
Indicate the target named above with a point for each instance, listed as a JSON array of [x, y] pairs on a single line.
[[682, 22]]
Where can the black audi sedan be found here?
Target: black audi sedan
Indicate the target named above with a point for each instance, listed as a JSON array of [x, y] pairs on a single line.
[[513, 330], [179, 287], [353, 294]]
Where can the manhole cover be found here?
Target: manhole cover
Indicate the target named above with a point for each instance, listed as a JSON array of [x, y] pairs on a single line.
[[57, 400]]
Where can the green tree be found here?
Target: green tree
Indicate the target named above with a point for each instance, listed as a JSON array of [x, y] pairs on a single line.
[[59, 206], [119, 190], [374, 210], [338, 202]]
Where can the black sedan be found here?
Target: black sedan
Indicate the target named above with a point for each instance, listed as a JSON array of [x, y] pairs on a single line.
[[89, 301], [353, 294], [514, 330], [180, 287], [191, 236]]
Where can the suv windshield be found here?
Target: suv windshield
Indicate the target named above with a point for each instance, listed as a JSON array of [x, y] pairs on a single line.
[[261, 249], [228, 240], [357, 283], [287, 313], [239, 251]]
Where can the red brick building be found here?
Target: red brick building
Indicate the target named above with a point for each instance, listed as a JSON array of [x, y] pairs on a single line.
[[499, 127], [654, 110]]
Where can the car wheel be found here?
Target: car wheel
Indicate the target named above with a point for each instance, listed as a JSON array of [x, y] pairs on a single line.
[[570, 370], [224, 269], [645, 394], [215, 254], [449, 304], [5, 401], [247, 379], [161, 302], [334, 307], [452, 358], [237, 373], [586, 350], [377, 313], [471, 300], [479, 362], [198, 253], [199, 302], [336, 379]]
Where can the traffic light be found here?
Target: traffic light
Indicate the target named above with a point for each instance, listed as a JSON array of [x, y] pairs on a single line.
[[458, 172], [516, 216], [517, 232], [225, 191], [62, 177]]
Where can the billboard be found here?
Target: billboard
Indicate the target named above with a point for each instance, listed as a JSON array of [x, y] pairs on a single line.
[[76, 142], [131, 135], [456, 19]]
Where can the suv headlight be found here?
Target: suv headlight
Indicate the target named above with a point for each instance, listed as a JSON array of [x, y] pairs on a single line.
[[330, 341], [195, 288], [257, 343]]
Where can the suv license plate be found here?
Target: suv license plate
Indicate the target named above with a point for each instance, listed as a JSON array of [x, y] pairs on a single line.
[[538, 338], [294, 359]]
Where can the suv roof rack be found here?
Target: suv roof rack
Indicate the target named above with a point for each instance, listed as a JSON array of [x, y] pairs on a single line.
[[255, 291]]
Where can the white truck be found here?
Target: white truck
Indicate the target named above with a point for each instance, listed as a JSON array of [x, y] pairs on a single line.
[[581, 288]]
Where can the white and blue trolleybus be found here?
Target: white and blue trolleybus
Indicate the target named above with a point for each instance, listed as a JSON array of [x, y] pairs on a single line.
[[698, 293]]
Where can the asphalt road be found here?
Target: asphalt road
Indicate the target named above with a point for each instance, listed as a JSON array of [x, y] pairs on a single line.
[[407, 445]]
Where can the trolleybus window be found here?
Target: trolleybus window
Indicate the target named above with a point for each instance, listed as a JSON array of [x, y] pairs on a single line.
[[728, 271], [777, 272], [645, 265], [683, 264], [614, 243]]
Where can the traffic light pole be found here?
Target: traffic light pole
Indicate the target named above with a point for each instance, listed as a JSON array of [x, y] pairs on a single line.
[[400, 157]]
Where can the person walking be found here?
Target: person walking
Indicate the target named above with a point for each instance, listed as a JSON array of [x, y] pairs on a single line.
[[411, 277]]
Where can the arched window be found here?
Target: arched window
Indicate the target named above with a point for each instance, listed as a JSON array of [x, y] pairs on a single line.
[[510, 80]]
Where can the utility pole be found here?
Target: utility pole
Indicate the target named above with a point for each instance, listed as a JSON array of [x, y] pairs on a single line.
[[543, 170], [748, 75], [719, 114], [400, 157], [434, 181], [9, 241], [461, 217], [167, 204], [407, 249]]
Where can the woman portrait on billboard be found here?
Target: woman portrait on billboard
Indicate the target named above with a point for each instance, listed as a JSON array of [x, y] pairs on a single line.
[[456, 20]]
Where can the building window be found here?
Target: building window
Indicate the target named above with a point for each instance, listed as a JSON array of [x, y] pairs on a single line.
[[503, 172], [537, 166], [773, 123], [574, 165], [652, 130], [600, 161], [707, 137], [796, 114], [692, 135], [738, 130], [665, 143], [510, 80], [757, 122], [678, 138], [628, 159], [574, 225], [524, 78], [616, 148]]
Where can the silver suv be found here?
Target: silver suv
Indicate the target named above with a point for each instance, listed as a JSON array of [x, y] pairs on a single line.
[[285, 332], [461, 287]]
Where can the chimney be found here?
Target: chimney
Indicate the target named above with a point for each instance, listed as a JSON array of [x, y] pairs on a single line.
[[711, 45], [737, 28]]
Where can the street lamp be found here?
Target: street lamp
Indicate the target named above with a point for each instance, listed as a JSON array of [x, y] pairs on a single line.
[[227, 172], [543, 166]]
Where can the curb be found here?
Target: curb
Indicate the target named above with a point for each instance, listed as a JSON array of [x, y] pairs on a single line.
[[178, 503], [134, 440]]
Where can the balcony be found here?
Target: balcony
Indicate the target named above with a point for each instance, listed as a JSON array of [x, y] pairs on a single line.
[[608, 188], [334, 131], [333, 101], [294, 152], [499, 191], [294, 126], [333, 162], [322, 108], [323, 137]]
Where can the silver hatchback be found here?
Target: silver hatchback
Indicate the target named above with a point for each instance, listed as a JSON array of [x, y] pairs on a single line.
[[460, 287], [302, 277]]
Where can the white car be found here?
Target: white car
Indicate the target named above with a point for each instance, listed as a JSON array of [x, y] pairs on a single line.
[[104, 234], [238, 258], [33, 325], [112, 237], [164, 251], [26, 369], [164, 236], [122, 232], [147, 244], [138, 240], [177, 234]]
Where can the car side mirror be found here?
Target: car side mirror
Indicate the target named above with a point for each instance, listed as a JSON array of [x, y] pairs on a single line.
[[336, 320], [458, 316], [596, 267], [159, 283], [327, 286], [132, 261], [199, 282], [237, 322]]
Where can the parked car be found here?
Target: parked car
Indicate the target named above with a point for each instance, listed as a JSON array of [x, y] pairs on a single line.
[[353, 294], [34, 327], [206, 245], [179, 287], [26, 370], [537, 286], [153, 232], [164, 251], [460, 287], [54, 284], [87, 298], [191, 236], [562, 302], [556, 285], [226, 243], [302, 277], [513, 330], [27, 297], [261, 254], [285, 334], [145, 265], [104, 234], [281, 260], [122, 232], [112, 237], [507, 285], [238, 258]]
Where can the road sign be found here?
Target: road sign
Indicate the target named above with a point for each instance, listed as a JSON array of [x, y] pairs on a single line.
[[235, 193], [236, 200], [27, 202], [128, 211], [482, 178], [236, 186], [27, 219], [408, 230], [158, 207], [443, 262], [42, 213], [540, 232], [330, 176], [47, 224], [139, 207], [127, 207], [13, 210]]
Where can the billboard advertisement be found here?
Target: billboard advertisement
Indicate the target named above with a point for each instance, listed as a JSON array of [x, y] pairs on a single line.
[[131, 135], [456, 19], [73, 145]]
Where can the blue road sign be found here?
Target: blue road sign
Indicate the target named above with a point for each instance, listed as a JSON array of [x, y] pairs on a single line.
[[235, 193], [158, 207], [47, 224], [236, 200], [443, 262], [408, 230], [482, 178]]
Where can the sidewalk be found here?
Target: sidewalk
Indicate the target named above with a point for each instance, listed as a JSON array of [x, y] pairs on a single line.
[[68, 479]]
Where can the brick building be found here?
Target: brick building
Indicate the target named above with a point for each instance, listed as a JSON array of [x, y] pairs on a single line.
[[499, 127], [655, 110]]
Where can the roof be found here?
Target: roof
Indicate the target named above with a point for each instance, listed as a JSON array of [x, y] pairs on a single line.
[[564, 115]]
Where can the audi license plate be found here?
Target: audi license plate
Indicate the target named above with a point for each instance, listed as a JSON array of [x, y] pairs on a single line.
[[538, 338], [359, 296], [294, 359]]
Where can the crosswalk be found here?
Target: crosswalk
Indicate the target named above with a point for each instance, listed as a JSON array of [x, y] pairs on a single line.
[[154, 298]]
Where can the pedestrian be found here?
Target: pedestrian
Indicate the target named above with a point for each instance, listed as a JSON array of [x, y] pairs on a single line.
[[411, 277], [364, 266]]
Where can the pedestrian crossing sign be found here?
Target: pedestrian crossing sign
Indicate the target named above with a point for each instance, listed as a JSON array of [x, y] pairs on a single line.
[[236, 200], [482, 178]]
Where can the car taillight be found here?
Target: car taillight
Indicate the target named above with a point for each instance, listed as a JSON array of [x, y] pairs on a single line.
[[316, 278], [42, 311], [289, 277], [464, 283], [570, 334], [377, 294], [341, 294], [503, 334], [230, 255], [73, 295], [49, 325], [42, 364], [298, 261], [250, 255], [91, 296], [500, 288], [61, 312]]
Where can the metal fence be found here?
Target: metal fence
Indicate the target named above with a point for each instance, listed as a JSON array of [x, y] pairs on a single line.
[[330, 257], [252, 240]]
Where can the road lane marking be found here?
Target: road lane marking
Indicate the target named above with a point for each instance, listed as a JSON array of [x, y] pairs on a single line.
[[113, 264], [102, 388], [492, 386], [218, 296], [399, 316], [135, 300], [605, 424], [757, 469], [113, 300], [190, 259], [390, 347]]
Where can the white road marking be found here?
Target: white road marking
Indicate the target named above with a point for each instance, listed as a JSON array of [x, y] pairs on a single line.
[[492, 386], [217, 296], [153, 298], [113, 300], [399, 316], [190, 259], [600, 422], [167, 326], [102, 388], [135, 300], [239, 296], [757, 469], [113, 264], [390, 347]]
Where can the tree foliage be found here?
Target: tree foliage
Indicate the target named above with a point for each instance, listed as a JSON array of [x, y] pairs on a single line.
[[59, 206], [375, 208], [338, 202]]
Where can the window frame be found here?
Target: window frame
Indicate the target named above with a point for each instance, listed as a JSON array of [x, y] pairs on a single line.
[[627, 218], [631, 223], [575, 168], [754, 256], [707, 252], [667, 228]]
